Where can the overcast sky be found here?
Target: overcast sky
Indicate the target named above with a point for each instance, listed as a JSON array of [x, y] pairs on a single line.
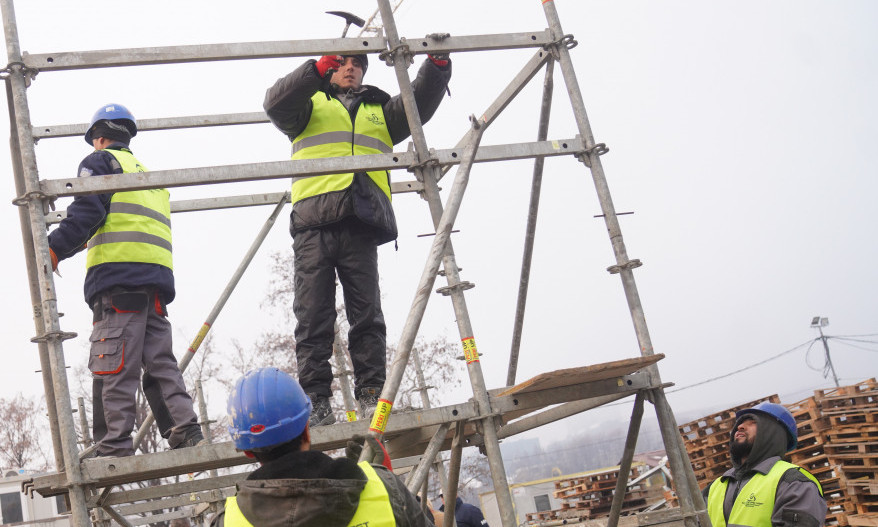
[[741, 136]]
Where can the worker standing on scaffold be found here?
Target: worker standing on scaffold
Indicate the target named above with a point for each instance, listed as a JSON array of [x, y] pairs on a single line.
[[128, 284], [338, 220]]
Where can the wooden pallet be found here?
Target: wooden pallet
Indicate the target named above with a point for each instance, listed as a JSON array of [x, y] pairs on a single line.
[[837, 443], [862, 520]]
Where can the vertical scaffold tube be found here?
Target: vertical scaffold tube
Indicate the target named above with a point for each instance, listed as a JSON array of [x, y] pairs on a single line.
[[691, 502], [47, 310]]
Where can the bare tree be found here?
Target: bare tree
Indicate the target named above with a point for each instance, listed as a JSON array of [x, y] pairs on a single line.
[[20, 446]]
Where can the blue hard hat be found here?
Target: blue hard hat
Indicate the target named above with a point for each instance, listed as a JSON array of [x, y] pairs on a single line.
[[779, 413], [112, 112], [267, 407]]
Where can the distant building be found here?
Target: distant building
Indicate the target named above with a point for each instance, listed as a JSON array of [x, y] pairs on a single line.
[[17, 508]]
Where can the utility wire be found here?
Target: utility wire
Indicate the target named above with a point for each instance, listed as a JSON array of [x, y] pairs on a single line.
[[873, 350], [745, 368], [854, 340]]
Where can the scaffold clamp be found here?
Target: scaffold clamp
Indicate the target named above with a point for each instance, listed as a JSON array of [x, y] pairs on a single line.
[[54, 335], [10, 68], [627, 266], [388, 55], [24, 200], [449, 289]]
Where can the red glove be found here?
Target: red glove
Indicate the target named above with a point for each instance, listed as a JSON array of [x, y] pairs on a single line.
[[328, 62], [379, 455], [54, 260], [439, 60]]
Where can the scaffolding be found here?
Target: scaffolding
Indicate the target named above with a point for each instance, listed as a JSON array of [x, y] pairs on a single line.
[[413, 438]]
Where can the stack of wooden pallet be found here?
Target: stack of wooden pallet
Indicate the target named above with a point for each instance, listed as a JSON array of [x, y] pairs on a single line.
[[838, 444], [590, 496]]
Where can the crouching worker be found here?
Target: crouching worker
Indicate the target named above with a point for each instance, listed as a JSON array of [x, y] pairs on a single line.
[[294, 485]]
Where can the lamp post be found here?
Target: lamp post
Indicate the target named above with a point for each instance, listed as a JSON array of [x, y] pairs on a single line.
[[820, 323]]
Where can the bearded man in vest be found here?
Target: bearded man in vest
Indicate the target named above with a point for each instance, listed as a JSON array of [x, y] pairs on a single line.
[[338, 220], [763, 490], [294, 485], [129, 282]]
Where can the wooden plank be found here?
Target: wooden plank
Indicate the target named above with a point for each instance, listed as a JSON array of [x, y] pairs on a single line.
[[583, 374]]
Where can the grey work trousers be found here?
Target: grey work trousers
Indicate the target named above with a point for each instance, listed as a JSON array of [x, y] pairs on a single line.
[[347, 247], [132, 335]]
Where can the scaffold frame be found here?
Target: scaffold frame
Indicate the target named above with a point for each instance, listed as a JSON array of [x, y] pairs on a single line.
[[414, 438]]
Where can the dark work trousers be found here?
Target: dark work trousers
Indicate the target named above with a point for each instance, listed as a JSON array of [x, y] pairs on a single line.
[[131, 336], [348, 248]]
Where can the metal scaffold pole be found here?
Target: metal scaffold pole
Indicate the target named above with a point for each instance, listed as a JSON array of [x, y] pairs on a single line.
[[691, 501], [430, 177], [47, 310], [530, 231]]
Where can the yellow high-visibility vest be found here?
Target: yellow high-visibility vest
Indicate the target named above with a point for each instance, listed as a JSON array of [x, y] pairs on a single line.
[[755, 502], [138, 225], [330, 133]]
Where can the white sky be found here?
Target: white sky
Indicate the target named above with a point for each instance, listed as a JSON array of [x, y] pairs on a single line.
[[741, 136]]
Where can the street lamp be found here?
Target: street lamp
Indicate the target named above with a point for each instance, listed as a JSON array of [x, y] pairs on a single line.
[[820, 323]]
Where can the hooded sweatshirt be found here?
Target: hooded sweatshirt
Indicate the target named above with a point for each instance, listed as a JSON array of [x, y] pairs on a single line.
[[798, 501], [311, 489]]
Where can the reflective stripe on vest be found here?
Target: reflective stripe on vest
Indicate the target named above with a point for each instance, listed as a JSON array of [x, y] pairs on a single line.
[[373, 509], [330, 133], [754, 504], [138, 225]]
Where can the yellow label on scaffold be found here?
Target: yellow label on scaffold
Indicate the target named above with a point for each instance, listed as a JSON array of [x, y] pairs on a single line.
[[382, 414], [351, 415], [470, 353], [199, 337]]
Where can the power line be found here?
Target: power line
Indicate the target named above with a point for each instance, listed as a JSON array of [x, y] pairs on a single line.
[[854, 340], [859, 347], [745, 368]]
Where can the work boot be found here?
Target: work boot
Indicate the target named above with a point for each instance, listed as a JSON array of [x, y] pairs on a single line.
[[321, 412], [194, 438], [368, 399]]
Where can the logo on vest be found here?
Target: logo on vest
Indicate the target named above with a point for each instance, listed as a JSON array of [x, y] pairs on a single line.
[[374, 119], [364, 524], [751, 501]]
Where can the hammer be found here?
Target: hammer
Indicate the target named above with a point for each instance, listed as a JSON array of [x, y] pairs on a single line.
[[349, 19]]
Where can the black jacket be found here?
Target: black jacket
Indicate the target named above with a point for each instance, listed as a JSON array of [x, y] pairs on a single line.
[[467, 515], [288, 106]]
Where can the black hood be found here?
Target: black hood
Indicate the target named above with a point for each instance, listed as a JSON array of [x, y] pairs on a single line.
[[771, 440], [306, 489]]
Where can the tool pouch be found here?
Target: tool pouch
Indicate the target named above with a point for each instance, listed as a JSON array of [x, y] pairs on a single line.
[[122, 302]]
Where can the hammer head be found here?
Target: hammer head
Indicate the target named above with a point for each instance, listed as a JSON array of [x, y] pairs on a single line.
[[349, 18]]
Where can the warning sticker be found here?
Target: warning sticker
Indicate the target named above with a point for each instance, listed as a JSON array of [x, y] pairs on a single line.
[[351, 415], [382, 414], [470, 353]]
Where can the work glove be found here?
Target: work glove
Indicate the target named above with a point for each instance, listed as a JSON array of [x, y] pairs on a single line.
[[328, 63], [54, 262], [379, 455], [439, 59]]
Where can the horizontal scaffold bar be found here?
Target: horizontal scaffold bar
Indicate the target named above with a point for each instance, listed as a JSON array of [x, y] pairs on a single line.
[[167, 123], [405, 432], [299, 168], [71, 60], [234, 202]]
